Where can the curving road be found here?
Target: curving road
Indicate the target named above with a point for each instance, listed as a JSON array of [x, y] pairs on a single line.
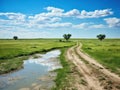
[[94, 74]]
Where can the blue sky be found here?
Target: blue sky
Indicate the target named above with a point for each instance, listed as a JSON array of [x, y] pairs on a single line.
[[53, 18]]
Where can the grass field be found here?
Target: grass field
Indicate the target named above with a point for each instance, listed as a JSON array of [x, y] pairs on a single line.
[[14, 48], [13, 52], [106, 52]]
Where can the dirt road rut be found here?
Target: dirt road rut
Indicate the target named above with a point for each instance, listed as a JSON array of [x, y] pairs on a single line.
[[95, 76]]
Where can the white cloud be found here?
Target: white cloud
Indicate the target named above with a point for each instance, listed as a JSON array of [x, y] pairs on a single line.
[[43, 19], [52, 18], [54, 10], [57, 12], [54, 25], [113, 22], [76, 13], [88, 26], [14, 16], [72, 13], [97, 26], [59, 25], [91, 14], [12, 19], [81, 26], [95, 14]]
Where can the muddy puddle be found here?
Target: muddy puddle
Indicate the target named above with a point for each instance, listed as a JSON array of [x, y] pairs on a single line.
[[37, 73]]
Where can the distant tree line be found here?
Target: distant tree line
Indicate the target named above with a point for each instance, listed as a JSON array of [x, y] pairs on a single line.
[[68, 36]]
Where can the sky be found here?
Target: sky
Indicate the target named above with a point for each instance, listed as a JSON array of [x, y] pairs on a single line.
[[53, 18]]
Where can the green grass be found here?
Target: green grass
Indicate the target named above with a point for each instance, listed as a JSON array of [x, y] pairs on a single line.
[[64, 76], [65, 79], [107, 52], [62, 73], [10, 50], [13, 52], [9, 65], [14, 48]]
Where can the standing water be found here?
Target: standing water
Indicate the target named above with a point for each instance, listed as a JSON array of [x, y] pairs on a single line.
[[35, 75]]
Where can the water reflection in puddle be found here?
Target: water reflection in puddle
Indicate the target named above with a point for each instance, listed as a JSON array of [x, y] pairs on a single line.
[[34, 75]]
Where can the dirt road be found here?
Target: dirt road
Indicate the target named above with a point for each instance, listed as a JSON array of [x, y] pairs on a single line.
[[94, 75]]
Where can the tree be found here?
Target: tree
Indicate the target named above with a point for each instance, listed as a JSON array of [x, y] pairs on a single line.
[[15, 37], [101, 36], [67, 36]]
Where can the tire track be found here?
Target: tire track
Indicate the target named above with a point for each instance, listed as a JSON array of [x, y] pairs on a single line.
[[94, 74], [92, 82], [111, 80]]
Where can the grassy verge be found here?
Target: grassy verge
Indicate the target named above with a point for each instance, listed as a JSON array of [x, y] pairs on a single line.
[[10, 65], [106, 52], [65, 79], [13, 52], [62, 73]]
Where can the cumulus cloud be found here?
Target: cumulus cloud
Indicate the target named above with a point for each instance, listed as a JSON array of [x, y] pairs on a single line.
[[72, 13], [53, 25], [81, 26], [97, 26], [43, 19], [14, 16], [76, 13], [95, 14], [91, 14], [13, 19], [52, 12], [113, 22], [88, 26], [59, 25], [54, 18]]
